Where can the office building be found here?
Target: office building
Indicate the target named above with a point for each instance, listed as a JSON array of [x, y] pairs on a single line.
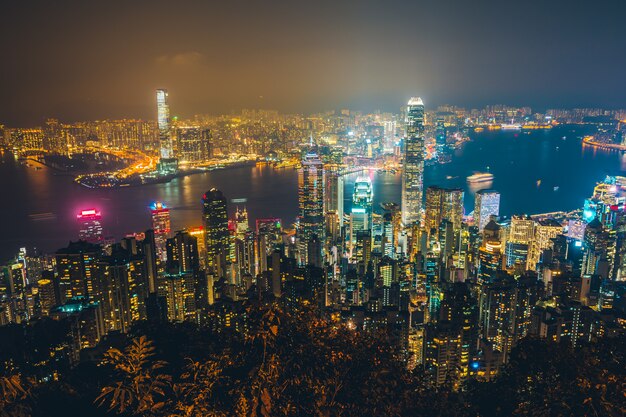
[[413, 168], [486, 204], [217, 236]]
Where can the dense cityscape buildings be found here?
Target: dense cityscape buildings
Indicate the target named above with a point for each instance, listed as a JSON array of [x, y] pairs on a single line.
[[455, 291]]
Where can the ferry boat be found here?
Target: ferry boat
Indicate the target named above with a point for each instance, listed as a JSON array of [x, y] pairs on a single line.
[[511, 126], [480, 177]]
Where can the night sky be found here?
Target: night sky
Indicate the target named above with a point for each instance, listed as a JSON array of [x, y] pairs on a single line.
[[84, 60]]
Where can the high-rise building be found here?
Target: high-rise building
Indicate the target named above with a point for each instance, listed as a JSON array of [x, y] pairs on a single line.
[[361, 213], [443, 204], [545, 231], [522, 230], [413, 170], [241, 222], [440, 132], [334, 194], [163, 121], [168, 164], [217, 236], [193, 144], [122, 288], [311, 200], [90, 226], [487, 204], [161, 224], [596, 242], [490, 253], [75, 266]]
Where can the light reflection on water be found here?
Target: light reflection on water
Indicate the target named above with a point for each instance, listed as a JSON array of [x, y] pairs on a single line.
[[516, 162]]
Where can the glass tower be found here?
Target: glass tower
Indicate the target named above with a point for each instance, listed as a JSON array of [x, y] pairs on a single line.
[[486, 204], [311, 197], [217, 236], [413, 170], [361, 213], [163, 121]]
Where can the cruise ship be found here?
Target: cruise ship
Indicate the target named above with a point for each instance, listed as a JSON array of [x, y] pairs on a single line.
[[480, 177]]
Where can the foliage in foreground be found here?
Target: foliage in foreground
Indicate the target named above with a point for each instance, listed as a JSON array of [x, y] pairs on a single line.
[[294, 365]]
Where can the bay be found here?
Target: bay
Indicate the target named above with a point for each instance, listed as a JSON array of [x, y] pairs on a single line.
[[39, 206]]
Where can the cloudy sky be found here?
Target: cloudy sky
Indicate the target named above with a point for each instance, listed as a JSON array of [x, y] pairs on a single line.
[[79, 60]]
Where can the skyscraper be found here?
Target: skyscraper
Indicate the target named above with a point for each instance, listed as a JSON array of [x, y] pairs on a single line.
[[487, 204], [413, 170], [168, 164], [443, 204], [75, 265], [90, 226], [163, 121], [161, 225], [361, 213], [217, 236], [311, 200]]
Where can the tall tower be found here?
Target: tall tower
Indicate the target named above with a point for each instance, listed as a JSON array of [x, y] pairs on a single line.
[[413, 170], [311, 200], [361, 214], [217, 237], [163, 121], [167, 163], [311, 196], [161, 224]]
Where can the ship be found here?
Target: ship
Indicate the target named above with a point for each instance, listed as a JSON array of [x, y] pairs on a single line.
[[511, 126], [480, 177]]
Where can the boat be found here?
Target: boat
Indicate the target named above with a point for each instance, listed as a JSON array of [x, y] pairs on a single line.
[[556, 188], [511, 126], [480, 177], [450, 177]]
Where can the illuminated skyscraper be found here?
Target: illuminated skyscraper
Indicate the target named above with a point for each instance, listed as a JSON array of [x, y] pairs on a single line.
[[520, 236], [334, 193], [167, 163], [161, 225], [413, 172], [90, 228], [361, 213], [443, 204], [75, 266], [487, 204], [241, 222], [311, 200], [163, 121], [217, 236], [193, 144], [545, 231], [522, 230]]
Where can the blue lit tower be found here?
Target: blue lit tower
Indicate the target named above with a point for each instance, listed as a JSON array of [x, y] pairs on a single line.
[[167, 163], [361, 213], [413, 170], [311, 200]]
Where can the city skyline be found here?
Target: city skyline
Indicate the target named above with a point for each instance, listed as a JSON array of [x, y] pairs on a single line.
[[226, 247], [373, 55]]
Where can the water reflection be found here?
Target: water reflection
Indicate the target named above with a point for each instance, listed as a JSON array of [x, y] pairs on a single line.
[[273, 193]]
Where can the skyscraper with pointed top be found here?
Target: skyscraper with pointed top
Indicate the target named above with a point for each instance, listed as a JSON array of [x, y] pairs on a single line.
[[413, 168]]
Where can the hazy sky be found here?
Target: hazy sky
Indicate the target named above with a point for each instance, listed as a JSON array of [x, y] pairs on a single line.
[[89, 59]]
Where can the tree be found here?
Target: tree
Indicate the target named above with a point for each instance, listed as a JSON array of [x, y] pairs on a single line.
[[13, 393], [139, 385]]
